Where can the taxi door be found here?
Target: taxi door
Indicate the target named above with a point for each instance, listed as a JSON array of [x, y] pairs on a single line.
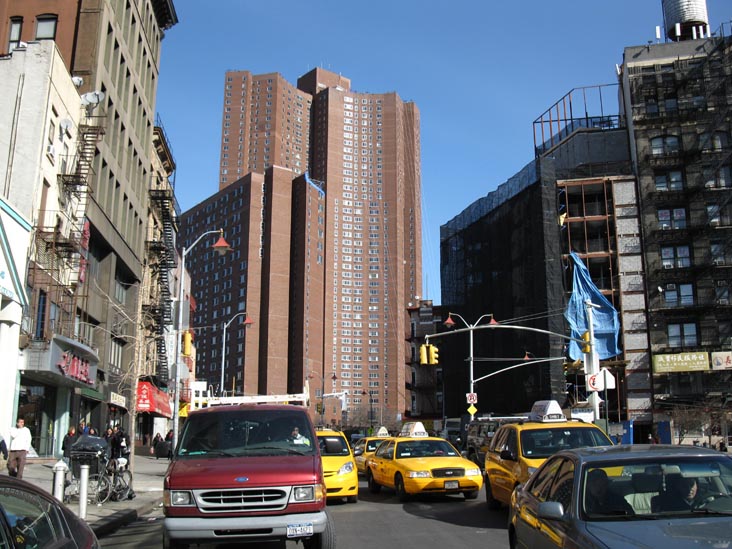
[[505, 476], [383, 464]]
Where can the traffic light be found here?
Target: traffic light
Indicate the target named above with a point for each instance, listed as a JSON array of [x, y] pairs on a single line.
[[187, 343], [586, 347], [319, 407], [433, 354], [423, 354]]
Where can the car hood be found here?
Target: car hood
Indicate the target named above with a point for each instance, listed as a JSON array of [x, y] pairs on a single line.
[[667, 533], [429, 463], [243, 471]]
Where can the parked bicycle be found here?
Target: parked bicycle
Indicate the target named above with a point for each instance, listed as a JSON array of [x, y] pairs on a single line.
[[117, 482]]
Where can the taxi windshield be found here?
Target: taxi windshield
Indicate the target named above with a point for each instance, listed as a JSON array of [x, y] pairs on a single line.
[[424, 448], [542, 443], [658, 487], [246, 432]]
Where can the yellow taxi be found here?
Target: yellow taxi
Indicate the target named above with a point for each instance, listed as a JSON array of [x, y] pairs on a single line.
[[416, 463], [365, 447], [339, 467], [519, 449]]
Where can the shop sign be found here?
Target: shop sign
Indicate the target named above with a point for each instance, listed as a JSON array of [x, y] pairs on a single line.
[[118, 400], [680, 362], [75, 367], [722, 360]]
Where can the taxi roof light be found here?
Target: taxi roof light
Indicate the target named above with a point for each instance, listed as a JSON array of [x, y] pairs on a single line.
[[382, 432], [546, 411], [413, 429]]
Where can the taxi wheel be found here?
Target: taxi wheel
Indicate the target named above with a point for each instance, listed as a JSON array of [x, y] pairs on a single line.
[[352, 499], [374, 487], [399, 487], [473, 494], [493, 504]]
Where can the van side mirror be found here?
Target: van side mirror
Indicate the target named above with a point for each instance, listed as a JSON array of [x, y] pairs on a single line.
[[358, 451]]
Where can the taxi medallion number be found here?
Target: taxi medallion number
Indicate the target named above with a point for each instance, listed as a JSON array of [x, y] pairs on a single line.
[[452, 485], [303, 529]]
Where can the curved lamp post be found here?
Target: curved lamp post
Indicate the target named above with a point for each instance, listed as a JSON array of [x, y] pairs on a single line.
[[221, 247], [322, 394], [247, 322]]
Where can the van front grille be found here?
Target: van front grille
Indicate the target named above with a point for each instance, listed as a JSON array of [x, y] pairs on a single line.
[[254, 499]]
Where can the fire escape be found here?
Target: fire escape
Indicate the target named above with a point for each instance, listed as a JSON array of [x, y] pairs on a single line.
[[58, 269], [162, 252]]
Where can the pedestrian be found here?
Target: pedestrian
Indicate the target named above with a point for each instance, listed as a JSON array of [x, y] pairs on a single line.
[[20, 443], [83, 428], [68, 440], [722, 446], [169, 443], [154, 448], [108, 435], [93, 432], [115, 443], [4, 452]]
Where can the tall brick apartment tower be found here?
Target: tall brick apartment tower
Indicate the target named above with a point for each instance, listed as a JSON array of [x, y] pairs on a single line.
[[355, 238]]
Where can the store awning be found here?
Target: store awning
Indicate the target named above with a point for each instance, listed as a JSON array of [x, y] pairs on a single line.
[[153, 400]]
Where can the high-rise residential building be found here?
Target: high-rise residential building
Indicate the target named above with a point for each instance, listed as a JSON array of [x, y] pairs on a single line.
[[111, 48], [354, 214], [643, 196]]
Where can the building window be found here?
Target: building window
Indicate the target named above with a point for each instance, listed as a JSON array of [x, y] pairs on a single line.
[[664, 145], [676, 295], [41, 315], [669, 181], [721, 179], [46, 27], [714, 141], [682, 335], [721, 292], [675, 256], [672, 218], [16, 26], [717, 251]]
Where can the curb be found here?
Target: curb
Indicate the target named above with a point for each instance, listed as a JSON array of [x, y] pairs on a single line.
[[111, 523]]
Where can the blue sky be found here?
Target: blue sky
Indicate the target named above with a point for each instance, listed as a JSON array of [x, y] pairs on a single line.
[[480, 72]]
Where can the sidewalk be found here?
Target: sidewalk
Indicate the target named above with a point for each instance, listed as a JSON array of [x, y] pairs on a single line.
[[105, 519]]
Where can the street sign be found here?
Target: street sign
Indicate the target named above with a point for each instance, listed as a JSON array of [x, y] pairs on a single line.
[[471, 398], [597, 382], [472, 409]]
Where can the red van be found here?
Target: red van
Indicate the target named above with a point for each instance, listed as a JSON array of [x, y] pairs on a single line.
[[243, 473]]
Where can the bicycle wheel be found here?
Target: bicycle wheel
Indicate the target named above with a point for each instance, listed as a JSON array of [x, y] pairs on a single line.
[[122, 481], [98, 489]]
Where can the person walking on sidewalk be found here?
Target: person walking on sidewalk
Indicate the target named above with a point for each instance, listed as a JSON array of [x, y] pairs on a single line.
[[20, 443], [68, 440], [3, 451]]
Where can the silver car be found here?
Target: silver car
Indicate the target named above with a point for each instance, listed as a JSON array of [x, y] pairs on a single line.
[[625, 496]]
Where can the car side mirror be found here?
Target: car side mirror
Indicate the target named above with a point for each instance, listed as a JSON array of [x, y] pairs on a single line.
[[358, 452], [508, 455], [552, 510]]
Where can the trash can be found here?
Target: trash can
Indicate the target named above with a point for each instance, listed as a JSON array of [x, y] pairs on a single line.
[[89, 450]]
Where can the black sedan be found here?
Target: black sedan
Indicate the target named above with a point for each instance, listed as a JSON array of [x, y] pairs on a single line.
[[31, 517]]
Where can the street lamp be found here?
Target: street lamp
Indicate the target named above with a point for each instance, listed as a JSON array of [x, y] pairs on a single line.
[[247, 322], [221, 247], [371, 408], [322, 394], [450, 323]]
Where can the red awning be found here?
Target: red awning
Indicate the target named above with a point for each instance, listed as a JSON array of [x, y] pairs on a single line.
[[153, 400]]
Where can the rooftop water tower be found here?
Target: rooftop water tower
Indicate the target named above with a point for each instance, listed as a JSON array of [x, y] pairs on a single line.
[[685, 19]]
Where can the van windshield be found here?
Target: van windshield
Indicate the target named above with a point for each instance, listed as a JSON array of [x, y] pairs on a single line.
[[246, 432]]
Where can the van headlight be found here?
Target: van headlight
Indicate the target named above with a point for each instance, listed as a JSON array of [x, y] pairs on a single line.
[[307, 493], [177, 498], [346, 468]]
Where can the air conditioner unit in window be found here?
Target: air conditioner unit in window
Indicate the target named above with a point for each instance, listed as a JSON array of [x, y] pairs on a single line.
[[670, 286], [721, 283], [719, 261], [51, 151], [723, 301], [668, 265]]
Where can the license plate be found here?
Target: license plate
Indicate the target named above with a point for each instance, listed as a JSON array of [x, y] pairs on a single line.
[[452, 485], [297, 530]]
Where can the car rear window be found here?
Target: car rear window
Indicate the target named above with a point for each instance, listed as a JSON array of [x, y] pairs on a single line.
[[542, 443]]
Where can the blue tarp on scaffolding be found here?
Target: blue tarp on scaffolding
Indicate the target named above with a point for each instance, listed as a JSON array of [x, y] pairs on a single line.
[[605, 322]]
